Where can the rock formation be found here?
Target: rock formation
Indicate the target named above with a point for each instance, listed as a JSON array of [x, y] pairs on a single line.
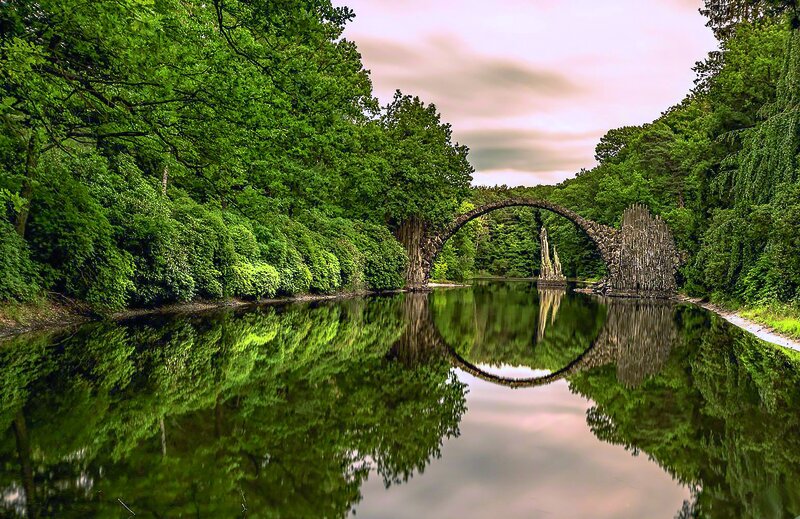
[[550, 274]]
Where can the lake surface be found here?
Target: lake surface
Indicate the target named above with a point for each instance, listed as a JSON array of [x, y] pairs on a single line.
[[490, 401]]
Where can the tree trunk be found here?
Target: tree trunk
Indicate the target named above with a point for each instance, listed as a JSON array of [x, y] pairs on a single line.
[[420, 341], [164, 180], [163, 437], [412, 235], [27, 186]]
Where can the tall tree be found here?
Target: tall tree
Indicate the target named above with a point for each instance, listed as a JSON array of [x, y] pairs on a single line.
[[427, 175]]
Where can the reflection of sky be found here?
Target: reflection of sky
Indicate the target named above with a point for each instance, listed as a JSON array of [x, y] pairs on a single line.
[[531, 85], [527, 453], [517, 372]]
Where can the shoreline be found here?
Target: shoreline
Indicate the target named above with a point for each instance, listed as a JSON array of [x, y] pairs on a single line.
[[762, 331], [54, 315]]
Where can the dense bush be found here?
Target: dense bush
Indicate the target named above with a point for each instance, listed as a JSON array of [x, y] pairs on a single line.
[[369, 256], [253, 280], [103, 232], [72, 238], [384, 258], [18, 278]]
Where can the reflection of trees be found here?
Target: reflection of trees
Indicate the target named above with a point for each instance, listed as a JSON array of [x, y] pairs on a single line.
[[720, 415], [283, 410], [498, 323]]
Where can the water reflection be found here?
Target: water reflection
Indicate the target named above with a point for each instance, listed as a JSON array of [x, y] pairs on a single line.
[[635, 335], [281, 410], [297, 411]]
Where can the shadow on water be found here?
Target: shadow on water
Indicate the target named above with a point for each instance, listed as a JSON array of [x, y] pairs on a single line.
[[286, 411]]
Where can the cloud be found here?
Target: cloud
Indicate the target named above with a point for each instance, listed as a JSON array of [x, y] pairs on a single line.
[[461, 81], [531, 85], [528, 150]]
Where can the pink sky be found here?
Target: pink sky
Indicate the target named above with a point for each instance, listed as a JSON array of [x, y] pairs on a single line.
[[531, 86], [528, 453]]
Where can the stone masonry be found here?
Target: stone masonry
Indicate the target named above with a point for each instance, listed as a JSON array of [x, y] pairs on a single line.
[[641, 257]]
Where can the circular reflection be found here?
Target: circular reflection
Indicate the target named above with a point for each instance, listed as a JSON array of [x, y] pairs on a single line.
[[546, 331], [553, 332], [579, 363]]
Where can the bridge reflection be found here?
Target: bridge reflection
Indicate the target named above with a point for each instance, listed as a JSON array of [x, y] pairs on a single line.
[[636, 336]]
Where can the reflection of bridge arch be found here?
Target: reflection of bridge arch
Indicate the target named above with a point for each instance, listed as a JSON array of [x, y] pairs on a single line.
[[637, 336], [578, 364]]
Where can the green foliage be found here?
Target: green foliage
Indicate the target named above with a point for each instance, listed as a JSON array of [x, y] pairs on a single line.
[[719, 416], [495, 323], [768, 162], [162, 152], [19, 280], [428, 173], [384, 258], [721, 168], [145, 164], [456, 261], [253, 280], [72, 236]]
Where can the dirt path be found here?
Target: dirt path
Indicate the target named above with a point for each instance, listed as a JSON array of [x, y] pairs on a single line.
[[761, 331]]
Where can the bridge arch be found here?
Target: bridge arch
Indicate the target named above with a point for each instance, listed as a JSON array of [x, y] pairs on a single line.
[[581, 362], [641, 256], [603, 236]]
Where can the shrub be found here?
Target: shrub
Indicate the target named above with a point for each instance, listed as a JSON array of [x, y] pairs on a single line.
[[18, 276], [253, 280], [324, 266], [209, 247], [384, 258], [339, 236], [295, 277], [147, 230], [72, 237]]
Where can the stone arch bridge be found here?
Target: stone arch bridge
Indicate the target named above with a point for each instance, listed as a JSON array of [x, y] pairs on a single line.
[[641, 256]]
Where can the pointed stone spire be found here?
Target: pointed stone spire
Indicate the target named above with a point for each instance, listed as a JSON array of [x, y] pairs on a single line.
[[546, 264], [557, 264], [550, 273]]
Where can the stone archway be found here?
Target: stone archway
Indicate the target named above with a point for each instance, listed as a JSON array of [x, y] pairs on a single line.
[[641, 257]]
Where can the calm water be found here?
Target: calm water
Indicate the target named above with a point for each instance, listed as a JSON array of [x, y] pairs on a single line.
[[489, 401]]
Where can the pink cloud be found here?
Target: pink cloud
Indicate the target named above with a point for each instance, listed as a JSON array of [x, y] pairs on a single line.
[[562, 72]]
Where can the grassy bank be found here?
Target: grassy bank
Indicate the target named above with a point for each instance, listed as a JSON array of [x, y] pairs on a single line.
[[784, 319], [780, 318]]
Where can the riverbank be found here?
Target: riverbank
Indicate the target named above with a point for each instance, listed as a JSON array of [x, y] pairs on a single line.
[[756, 321], [59, 312]]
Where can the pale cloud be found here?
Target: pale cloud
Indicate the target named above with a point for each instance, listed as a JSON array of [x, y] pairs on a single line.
[[531, 85], [525, 150], [459, 81]]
